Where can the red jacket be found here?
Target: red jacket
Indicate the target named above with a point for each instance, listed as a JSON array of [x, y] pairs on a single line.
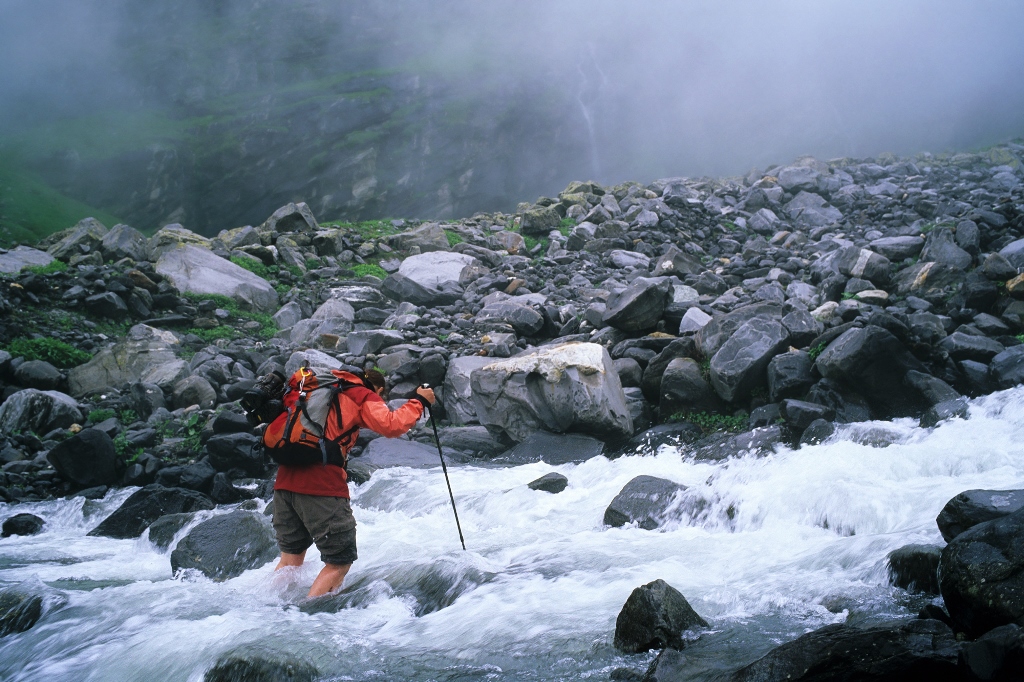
[[330, 480]]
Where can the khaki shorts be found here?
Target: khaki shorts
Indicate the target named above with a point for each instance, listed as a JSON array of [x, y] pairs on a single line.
[[301, 520]]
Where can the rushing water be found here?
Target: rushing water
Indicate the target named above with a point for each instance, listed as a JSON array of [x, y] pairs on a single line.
[[782, 544]]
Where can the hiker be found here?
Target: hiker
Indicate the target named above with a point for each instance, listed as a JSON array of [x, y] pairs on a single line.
[[311, 501]]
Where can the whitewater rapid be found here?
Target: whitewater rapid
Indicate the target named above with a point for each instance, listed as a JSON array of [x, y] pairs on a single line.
[[766, 548]]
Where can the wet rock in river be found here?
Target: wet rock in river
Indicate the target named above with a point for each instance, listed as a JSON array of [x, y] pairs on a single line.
[[22, 524], [87, 459], [259, 665], [654, 617], [915, 568], [972, 507], [645, 500], [147, 505], [226, 546], [549, 483]]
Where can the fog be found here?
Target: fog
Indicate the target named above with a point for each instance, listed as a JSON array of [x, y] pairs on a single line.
[[651, 88]]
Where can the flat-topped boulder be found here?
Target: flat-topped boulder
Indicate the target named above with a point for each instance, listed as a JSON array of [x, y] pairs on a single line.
[[20, 257], [196, 270], [146, 355]]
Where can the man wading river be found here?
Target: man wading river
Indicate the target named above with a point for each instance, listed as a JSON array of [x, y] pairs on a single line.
[[311, 501]]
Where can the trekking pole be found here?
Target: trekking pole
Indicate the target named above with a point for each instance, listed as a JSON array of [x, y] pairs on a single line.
[[444, 468]]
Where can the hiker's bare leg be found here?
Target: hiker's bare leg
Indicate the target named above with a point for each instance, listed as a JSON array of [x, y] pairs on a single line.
[[330, 579], [289, 560]]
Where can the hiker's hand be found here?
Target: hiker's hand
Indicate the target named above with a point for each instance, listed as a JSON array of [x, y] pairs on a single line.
[[427, 394]]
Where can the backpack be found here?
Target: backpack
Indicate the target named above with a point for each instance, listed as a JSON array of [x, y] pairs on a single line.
[[319, 424]]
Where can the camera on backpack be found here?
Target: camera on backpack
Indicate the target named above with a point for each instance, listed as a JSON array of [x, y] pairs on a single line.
[[262, 403]]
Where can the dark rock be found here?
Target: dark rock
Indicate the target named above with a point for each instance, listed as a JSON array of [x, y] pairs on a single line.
[[222, 492], [930, 281], [97, 493], [231, 422], [259, 666], [107, 304], [194, 390], [474, 439], [981, 575], [163, 530], [715, 333], [146, 506], [874, 361], [998, 655], [765, 415], [912, 650], [948, 409], [673, 434], [87, 459], [849, 406], [720, 446], [972, 507], [897, 249], [915, 568], [391, 452], [373, 340], [37, 374], [629, 371], [801, 414], [739, 365], [146, 398], [639, 306], [227, 545], [654, 617], [524, 320], [790, 375], [651, 384], [555, 448], [1007, 368], [198, 476], [932, 389], [684, 390], [854, 261], [229, 451], [962, 346], [20, 608], [802, 327], [398, 287], [550, 483], [645, 500], [38, 411], [817, 432], [940, 247], [22, 524]]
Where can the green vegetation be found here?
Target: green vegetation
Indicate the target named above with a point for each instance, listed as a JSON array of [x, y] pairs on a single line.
[[125, 450], [848, 295], [267, 325], [364, 269], [312, 263], [709, 422], [54, 267], [254, 266], [453, 237], [97, 416], [816, 351], [1020, 337], [531, 242], [565, 225], [367, 229], [54, 351], [190, 431], [127, 417]]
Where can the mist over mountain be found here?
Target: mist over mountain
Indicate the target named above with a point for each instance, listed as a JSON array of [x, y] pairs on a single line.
[[214, 112]]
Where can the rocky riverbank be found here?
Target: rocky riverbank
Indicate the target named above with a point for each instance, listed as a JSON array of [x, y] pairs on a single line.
[[730, 315]]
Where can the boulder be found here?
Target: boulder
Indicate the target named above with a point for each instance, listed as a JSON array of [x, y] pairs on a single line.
[[558, 388], [198, 477], [199, 271], [798, 178], [458, 393], [550, 483], [676, 262], [361, 296], [639, 306], [684, 389], [85, 237], [854, 261], [87, 459], [124, 241], [373, 341], [426, 237], [930, 281], [37, 374], [812, 210], [981, 575], [996, 655], [790, 375], [289, 315], [739, 365], [162, 531], [226, 546], [21, 607], [476, 440], [654, 617], [292, 217], [1014, 253], [693, 320], [972, 507], [873, 360], [21, 524], [915, 568], [259, 665], [194, 390], [147, 505], [235, 451], [524, 320], [174, 236], [645, 500], [431, 270], [539, 220], [909, 650], [38, 411], [383, 453], [961, 346], [655, 370], [800, 414], [941, 247], [400, 288], [897, 249], [13, 261], [555, 448], [1007, 367], [107, 304], [145, 355], [716, 332]]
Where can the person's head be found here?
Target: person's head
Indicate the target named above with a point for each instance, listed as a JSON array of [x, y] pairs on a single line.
[[375, 381]]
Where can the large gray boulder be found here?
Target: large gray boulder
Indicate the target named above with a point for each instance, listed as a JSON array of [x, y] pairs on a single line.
[[555, 448], [684, 389], [874, 362], [941, 247], [124, 241], [146, 354], [559, 388], [654, 617], [84, 237], [433, 269], [458, 392], [854, 261], [739, 365], [361, 296], [1007, 368], [175, 236], [334, 316], [897, 248], [715, 333], [645, 500], [373, 340], [811, 210], [400, 288], [981, 575], [147, 505], [319, 361], [20, 257], [639, 306], [257, 664], [523, 319], [426, 237], [292, 217], [87, 459], [972, 507], [38, 411], [382, 453], [226, 546], [199, 271]]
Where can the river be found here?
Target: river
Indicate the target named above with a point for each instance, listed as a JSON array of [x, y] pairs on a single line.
[[782, 544]]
